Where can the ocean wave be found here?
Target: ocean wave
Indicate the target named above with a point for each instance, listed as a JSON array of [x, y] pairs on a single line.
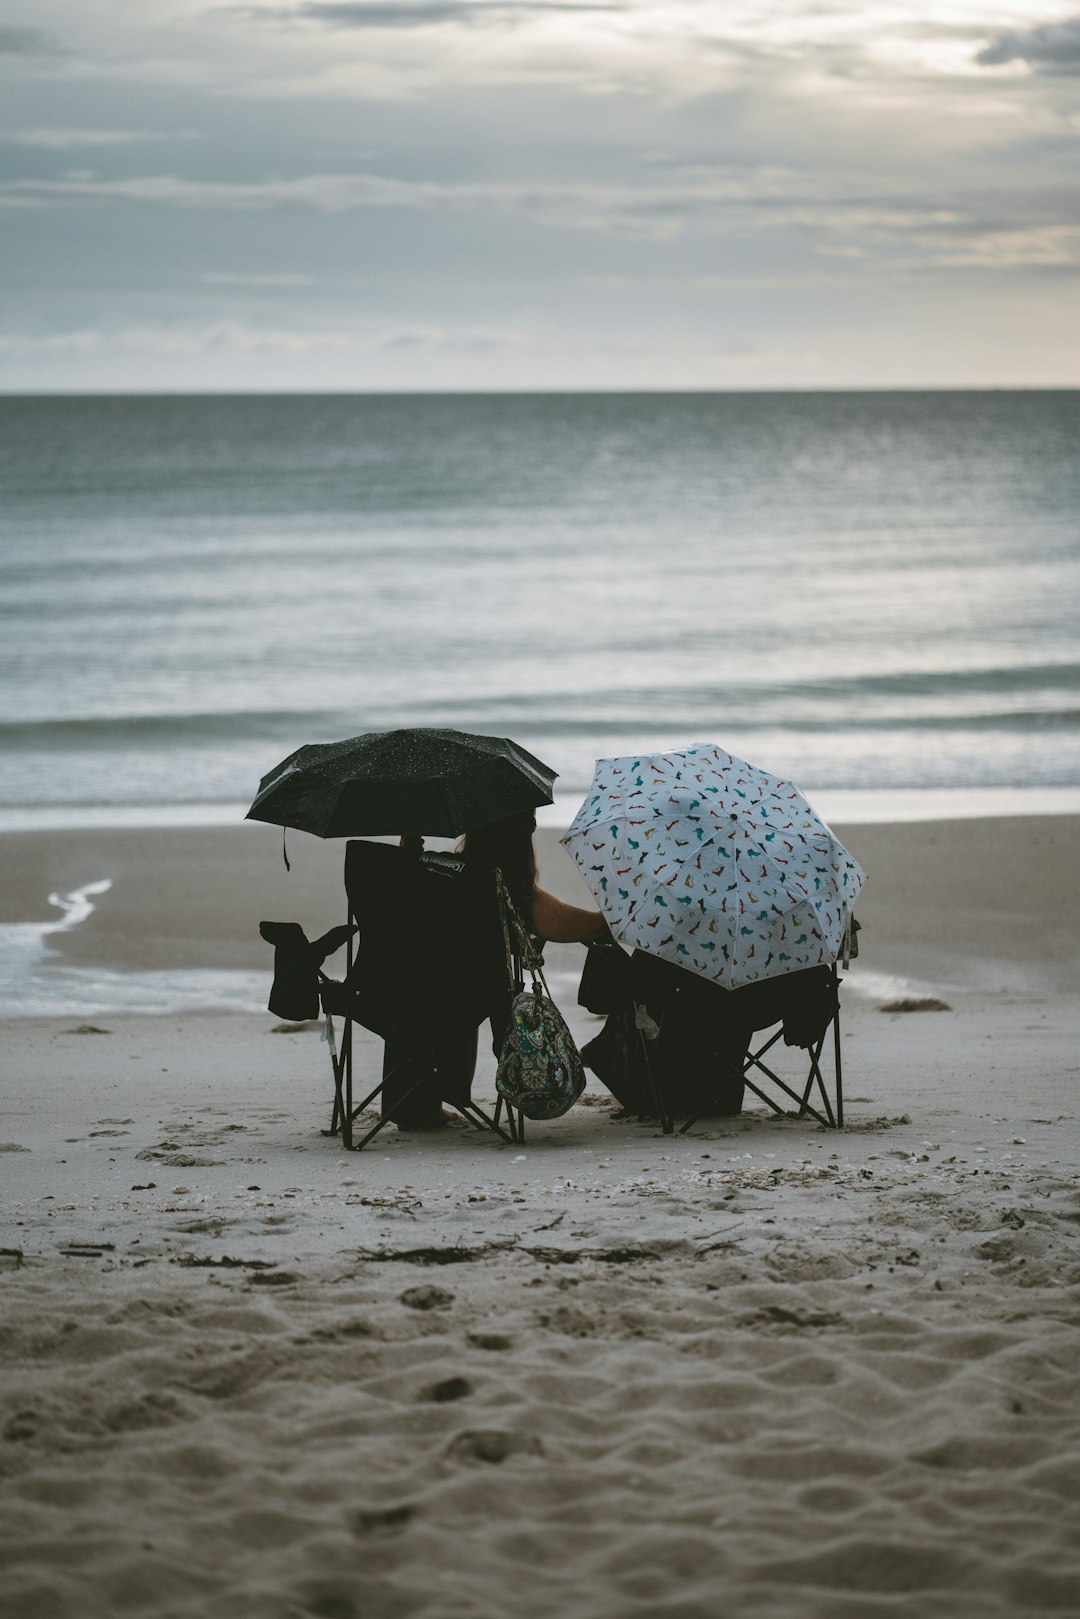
[[898, 704], [128, 730]]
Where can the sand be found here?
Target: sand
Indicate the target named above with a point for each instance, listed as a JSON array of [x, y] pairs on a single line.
[[762, 1369]]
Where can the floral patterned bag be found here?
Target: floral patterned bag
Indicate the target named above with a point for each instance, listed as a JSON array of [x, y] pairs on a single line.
[[540, 1071]]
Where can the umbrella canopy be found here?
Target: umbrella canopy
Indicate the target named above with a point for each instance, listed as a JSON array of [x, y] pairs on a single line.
[[431, 782], [712, 864]]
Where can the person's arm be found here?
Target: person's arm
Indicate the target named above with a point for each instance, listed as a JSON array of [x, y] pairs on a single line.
[[560, 923]]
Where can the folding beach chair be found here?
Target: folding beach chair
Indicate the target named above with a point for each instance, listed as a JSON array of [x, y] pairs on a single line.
[[675, 1044], [426, 965], [806, 1008]]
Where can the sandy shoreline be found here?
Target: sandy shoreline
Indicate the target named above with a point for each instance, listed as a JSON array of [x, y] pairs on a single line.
[[983, 902], [762, 1369]]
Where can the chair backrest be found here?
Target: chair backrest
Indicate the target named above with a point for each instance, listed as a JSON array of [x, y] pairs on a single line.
[[429, 953]]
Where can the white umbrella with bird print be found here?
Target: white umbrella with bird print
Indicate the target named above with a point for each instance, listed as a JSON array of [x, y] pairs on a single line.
[[708, 862]]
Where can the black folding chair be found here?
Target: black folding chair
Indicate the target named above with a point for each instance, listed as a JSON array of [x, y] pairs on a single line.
[[806, 1013], [425, 966], [675, 1044]]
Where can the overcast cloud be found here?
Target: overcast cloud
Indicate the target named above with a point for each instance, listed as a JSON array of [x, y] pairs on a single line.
[[539, 193]]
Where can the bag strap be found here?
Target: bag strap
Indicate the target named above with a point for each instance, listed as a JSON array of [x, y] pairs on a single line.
[[522, 948]]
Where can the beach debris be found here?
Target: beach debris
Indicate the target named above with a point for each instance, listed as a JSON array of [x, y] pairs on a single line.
[[13, 1146], [87, 1250], [145, 1186], [400, 1202], [916, 1003], [779, 1315], [87, 1028], [433, 1256], [305, 1027], [603, 1256], [226, 1262], [15, 1254], [864, 1126], [172, 1155]]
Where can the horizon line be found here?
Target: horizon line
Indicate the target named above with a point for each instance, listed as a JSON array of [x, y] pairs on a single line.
[[518, 392]]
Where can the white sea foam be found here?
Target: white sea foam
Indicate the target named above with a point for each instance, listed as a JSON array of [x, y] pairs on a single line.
[[35, 981]]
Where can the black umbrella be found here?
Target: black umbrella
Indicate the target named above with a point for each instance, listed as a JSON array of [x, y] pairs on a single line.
[[432, 782]]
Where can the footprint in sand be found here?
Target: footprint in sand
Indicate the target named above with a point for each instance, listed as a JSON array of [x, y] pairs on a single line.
[[363, 1523], [450, 1388], [491, 1340], [494, 1445]]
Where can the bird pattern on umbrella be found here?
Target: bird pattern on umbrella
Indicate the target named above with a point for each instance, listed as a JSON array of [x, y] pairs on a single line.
[[713, 864]]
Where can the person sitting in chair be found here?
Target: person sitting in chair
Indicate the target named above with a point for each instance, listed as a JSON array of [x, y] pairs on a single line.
[[507, 845], [416, 1085]]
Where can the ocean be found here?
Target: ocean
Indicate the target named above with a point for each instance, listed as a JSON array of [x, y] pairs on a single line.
[[875, 595]]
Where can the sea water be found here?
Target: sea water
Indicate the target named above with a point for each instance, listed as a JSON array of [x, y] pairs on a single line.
[[874, 594]]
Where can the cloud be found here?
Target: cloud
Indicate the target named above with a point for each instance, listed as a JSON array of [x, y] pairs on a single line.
[[235, 338], [1048, 247], [618, 210], [1050, 48], [835, 213], [414, 13], [63, 139], [239, 278], [26, 42]]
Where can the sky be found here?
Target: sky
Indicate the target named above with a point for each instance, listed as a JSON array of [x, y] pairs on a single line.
[[384, 195]]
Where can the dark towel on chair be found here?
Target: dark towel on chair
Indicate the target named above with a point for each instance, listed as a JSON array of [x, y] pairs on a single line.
[[605, 980], [294, 994]]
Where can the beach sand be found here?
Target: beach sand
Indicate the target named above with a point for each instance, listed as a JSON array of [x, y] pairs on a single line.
[[761, 1369]]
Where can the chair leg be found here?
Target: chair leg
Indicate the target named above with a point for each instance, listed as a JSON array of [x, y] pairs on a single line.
[[484, 1121], [469, 1110], [813, 1076], [339, 1110], [515, 1123], [347, 1114], [830, 1118], [803, 1101], [837, 1059], [660, 1089]]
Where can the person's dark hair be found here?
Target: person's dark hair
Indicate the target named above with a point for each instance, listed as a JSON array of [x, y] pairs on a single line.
[[508, 844]]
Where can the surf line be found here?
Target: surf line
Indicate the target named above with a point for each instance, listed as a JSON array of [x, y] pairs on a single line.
[[76, 906]]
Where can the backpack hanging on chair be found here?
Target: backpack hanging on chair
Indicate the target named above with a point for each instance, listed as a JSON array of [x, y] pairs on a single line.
[[540, 1071]]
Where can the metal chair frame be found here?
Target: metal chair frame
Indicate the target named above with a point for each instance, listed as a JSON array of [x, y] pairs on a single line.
[[346, 1110], [832, 1118]]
